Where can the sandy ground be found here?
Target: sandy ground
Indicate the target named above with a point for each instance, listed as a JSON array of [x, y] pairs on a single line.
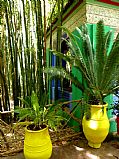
[[81, 150]]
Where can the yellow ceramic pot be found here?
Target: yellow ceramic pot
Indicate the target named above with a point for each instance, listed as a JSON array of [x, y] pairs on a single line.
[[37, 144], [97, 127]]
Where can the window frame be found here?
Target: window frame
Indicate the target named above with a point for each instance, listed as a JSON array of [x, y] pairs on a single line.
[[110, 2]]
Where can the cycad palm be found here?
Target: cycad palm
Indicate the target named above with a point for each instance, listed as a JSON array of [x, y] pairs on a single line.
[[99, 66]]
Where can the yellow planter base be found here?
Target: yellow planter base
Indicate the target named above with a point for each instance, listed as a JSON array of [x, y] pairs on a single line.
[[94, 145]]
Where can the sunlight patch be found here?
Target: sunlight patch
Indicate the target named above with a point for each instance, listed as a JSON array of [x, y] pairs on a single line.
[[9, 135], [109, 154], [93, 125], [91, 156], [79, 148]]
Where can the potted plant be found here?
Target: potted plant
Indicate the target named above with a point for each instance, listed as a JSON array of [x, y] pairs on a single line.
[[38, 117], [99, 66]]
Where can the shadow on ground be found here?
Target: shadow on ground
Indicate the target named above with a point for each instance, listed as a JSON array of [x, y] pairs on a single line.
[[81, 150]]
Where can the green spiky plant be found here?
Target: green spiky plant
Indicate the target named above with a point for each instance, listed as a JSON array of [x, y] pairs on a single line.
[[37, 114], [99, 66]]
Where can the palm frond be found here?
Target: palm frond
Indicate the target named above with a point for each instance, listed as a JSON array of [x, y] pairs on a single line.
[[110, 67], [24, 113], [72, 49], [107, 42], [99, 55], [76, 41], [116, 42], [74, 61], [43, 100], [87, 53], [54, 72], [112, 85]]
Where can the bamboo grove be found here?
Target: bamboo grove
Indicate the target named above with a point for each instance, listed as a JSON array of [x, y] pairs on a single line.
[[23, 48], [22, 51]]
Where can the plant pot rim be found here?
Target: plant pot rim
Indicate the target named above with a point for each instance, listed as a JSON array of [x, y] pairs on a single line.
[[34, 131], [100, 105]]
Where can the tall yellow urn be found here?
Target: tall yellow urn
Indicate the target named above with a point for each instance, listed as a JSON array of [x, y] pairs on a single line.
[[96, 128], [37, 144]]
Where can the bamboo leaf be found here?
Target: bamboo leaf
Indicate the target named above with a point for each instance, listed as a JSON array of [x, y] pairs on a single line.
[[34, 101]]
